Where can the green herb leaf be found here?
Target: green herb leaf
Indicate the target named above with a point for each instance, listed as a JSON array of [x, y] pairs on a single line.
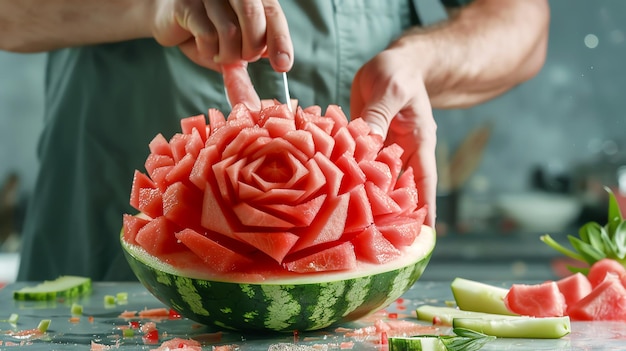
[[619, 238], [591, 233], [558, 247], [588, 252], [596, 241], [615, 215], [609, 245], [460, 343]]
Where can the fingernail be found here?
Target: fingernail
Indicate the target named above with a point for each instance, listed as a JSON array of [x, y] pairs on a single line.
[[376, 129], [282, 61]]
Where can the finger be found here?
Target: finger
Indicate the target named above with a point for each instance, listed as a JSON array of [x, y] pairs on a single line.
[[424, 166], [239, 86], [406, 120], [415, 130], [190, 49], [226, 23], [251, 17], [204, 45], [278, 39], [374, 104]]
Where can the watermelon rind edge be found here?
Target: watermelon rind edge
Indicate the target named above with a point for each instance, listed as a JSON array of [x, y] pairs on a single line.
[[308, 303], [423, 246]]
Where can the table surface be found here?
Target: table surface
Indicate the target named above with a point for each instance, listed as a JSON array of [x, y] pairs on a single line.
[[104, 326]]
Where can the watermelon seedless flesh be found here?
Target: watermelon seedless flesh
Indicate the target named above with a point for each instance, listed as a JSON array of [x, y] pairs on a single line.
[[275, 220]]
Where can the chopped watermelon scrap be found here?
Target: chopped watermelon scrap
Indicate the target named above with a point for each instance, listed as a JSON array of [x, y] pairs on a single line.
[[607, 302], [538, 300]]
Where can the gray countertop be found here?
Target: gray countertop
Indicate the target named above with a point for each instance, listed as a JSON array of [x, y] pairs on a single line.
[[104, 328]]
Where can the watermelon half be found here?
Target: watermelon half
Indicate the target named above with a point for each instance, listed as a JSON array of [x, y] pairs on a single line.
[[275, 220], [303, 303]]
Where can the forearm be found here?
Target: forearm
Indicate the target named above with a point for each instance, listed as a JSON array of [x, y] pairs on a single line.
[[35, 25], [482, 51]]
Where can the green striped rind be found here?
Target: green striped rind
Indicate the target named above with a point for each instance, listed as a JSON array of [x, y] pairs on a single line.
[[297, 304], [65, 286]]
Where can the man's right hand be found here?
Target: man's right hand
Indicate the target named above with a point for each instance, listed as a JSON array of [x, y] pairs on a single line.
[[215, 33]]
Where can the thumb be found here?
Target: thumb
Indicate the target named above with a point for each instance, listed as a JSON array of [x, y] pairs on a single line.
[[372, 103], [376, 114]]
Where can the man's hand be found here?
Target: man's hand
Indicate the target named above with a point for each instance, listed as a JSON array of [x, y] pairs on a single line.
[[215, 33], [225, 36], [483, 50], [389, 94]]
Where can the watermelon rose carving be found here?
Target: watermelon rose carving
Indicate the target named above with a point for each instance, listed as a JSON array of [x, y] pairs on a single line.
[[293, 192]]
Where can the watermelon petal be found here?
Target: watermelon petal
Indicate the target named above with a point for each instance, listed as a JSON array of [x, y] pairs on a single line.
[[216, 256], [216, 120], [301, 215], [359, 211], [160, 146], [378, 173], [328, 226], [157, 236], [278, 127], [381, 202], [336, 258], [275, 244], [201, 172], [254, 217], [214, 217], [371, 246], [302, 141], [182, 205]]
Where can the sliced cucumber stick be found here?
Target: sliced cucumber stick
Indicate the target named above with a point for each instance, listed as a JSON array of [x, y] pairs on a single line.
[[445, 315], [480, 297], [518, 327], [498, 325], [64, 286]]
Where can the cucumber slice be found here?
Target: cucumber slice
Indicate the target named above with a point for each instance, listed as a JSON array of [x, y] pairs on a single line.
[[76, 309], [43, 325], [64, 286], [415, 344], [445, 315], [517, 326], [479, 297], [420, 343]]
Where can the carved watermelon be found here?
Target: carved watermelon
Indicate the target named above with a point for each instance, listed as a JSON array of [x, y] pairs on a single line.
[[272, 208]]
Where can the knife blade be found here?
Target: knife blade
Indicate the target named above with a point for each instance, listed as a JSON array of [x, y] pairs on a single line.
[[287, 96]]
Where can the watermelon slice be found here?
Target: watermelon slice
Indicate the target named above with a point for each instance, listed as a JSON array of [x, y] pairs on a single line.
[[606, 302], [599, 271], [574, 288], [299, 194], [538, 300]]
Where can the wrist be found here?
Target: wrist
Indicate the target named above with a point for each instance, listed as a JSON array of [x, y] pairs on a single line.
[[140, 15], [424, 54]]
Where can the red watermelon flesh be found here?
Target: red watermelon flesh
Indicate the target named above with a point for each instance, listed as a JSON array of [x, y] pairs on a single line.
[[131, 226], [607, 302], [295, 192], [574, 288], [156, 237], [538, 300], [600, 269]]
